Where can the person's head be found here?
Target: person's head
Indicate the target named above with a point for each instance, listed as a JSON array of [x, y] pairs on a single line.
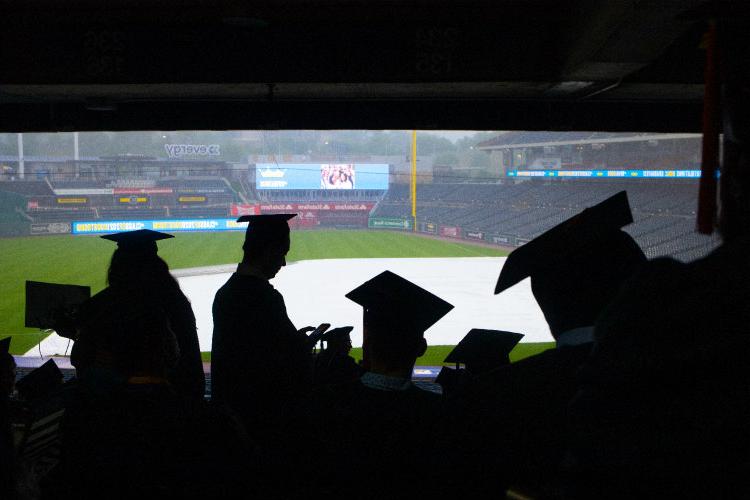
[[573, 292], [393, 343], [135, 261], [577, 266], [338, 340], [266, 251], [397, 312], [129, 268], [266, 243]]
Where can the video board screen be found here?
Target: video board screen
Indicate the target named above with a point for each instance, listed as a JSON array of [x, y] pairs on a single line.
[[321, 176]]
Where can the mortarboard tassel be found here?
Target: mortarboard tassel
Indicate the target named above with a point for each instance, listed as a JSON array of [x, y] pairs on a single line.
[[710, 155]]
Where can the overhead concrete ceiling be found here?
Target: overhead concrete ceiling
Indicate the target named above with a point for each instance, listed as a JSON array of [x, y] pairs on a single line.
[[611, 65]]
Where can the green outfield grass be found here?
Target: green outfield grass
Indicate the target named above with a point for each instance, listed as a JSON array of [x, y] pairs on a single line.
[[436, 353], [83, 260]]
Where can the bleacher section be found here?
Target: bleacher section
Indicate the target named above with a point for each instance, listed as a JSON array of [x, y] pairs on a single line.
[[504, 213], [664, 213]]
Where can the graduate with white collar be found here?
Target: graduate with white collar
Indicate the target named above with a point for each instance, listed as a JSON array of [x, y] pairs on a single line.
[[378, 427], [576, 269]]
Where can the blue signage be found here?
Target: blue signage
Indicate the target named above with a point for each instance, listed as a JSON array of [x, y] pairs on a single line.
[[321, 176], [115, 226], [609, 174]]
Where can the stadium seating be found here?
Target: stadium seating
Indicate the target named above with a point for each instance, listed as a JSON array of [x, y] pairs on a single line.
[[664, 212], [28, 188]]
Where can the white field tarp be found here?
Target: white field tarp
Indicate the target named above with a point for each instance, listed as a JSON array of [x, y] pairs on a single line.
[[314, 293]]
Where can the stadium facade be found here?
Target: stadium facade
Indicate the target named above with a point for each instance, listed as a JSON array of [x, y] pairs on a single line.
[[542, 178]]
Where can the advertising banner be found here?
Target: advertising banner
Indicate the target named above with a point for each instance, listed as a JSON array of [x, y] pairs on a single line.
[[321, 176], [50, 228], [142, 190], [132, 200], [32, 204], [73, 201], [180, 150], [200, 190], [504, 239], [82, 191], [238, 209], [521, 241], [474, 235], [113, 226], [191, 199], [450, 231], [295, 207], [388, 223], [430, 227]]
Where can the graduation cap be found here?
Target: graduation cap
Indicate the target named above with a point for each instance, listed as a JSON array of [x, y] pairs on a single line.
[[337, 333], [265, 225], [47, 304], [388, 295], [5, 345], [483, 350], [588, 229], [139, 241], [40, 382]]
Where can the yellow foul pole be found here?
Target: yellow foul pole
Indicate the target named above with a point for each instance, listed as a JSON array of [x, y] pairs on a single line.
[[414, 179]]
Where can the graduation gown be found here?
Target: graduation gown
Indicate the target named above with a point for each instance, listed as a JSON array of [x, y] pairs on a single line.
[[511, 422], [148, 441], [187, 376], [666, 395], [371, 443], [260, 364]]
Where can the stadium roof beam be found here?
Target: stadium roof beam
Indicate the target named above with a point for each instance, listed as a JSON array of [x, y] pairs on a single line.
[[427, 64]]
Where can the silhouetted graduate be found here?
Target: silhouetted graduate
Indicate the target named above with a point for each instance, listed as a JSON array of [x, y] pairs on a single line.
[[333, 364], [663, 409], [576, 269], [260, 363], [136, 272], [377, 426], [7, 451], [7, 368], [143, 438]]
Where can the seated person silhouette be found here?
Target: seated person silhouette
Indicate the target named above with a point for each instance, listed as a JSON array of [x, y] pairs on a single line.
[[377, 426], [333, 365], [143, 438], [7, 451], [576, 269], [261, 366], [136, 270], [7, 369]]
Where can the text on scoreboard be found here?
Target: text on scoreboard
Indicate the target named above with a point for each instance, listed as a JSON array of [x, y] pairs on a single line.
[[610, 174], [114, 226]]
